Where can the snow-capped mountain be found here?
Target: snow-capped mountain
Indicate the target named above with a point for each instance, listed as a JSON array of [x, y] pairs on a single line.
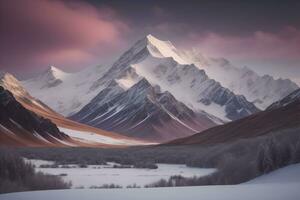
[[26, 121], [289, 99], [261, 90], [66, 93], [158, 64], [162, 66], [142, 111]]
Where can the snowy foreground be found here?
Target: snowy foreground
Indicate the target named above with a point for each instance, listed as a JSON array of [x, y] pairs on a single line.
[[267, 187], [239, 192]]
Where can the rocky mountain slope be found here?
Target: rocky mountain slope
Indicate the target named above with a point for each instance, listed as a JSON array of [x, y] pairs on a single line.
[[211, 88], [280, 116], [293, 97], [142, 111], [9, 82], [158, 63], [76, 134], [19, 126], [261, 90]]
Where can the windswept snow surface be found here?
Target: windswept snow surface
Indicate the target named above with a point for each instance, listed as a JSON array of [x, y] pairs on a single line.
[[266, 187]]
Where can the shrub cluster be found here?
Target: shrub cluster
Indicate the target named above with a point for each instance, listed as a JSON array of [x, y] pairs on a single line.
[[244, 160], [236, 162], [17, 175]]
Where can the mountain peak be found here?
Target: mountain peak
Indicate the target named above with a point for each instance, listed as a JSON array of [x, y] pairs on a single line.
[[149, 36], [53, 73], [159, 48], [51, 77], [157, 42], [54, 69], [152, 38]]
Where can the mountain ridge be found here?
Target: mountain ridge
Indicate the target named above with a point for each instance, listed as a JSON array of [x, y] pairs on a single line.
[[163, 66], [274, 119], [142, 111], [262, 90]]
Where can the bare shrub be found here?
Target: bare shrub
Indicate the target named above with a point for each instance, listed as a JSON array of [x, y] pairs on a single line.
[[133, 186], [244, 160], [16, 175], [106, 186]]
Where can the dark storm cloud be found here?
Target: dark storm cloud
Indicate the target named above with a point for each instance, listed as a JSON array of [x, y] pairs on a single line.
[[231, 16]]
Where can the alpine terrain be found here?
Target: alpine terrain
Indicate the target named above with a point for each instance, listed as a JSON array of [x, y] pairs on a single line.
[[280, 116], [152, 72], [26, 121], [261, 90], [157, 92]]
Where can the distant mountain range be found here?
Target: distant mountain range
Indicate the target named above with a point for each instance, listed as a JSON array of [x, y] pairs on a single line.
[[261, 90], [280, 116], [157, 92]]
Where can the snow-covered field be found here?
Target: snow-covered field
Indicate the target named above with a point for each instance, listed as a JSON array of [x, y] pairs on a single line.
[[236, 192], [98, 175], [267, 187], [289, 174]]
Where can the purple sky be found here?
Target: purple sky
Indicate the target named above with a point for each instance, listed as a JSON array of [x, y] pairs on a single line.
[[78, 34]]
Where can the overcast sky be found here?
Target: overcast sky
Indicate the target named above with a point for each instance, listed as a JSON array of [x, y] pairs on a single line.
[[263, 35]]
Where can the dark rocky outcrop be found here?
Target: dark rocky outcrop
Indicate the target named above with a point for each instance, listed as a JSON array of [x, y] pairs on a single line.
[[24, 123]]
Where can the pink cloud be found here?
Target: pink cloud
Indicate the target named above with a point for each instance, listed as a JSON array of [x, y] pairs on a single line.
[[47, 31]]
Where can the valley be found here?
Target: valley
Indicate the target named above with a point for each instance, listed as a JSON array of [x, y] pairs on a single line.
[[156, 117]]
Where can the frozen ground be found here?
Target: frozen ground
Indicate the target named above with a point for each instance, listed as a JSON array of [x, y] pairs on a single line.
[[289, 174], [97, 175], [236, 192], [267, 187]]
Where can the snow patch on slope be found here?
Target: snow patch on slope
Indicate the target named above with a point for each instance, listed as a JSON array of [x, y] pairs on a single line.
[[71, 94], [96, 138]]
